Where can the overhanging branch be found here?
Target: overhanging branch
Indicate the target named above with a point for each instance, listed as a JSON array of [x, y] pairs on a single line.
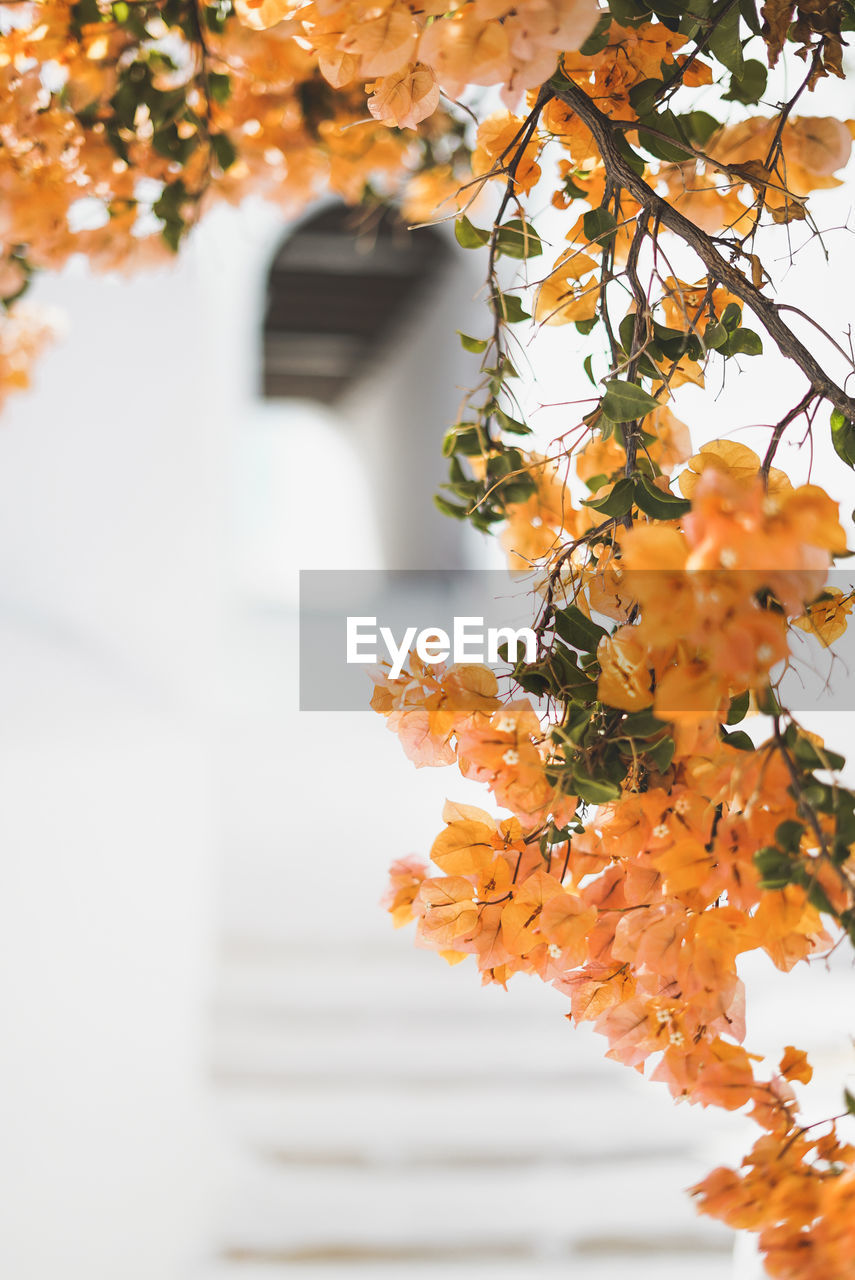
[[621, 174]]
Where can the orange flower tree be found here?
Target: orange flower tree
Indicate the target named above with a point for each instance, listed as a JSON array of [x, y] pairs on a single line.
[[650, 841]]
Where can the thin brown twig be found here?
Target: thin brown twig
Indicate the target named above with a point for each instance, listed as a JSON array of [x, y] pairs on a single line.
[[778, 432], [622, 174]]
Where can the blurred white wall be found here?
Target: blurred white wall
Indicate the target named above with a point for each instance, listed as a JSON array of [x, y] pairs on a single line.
[[147, 497], [112, 482]]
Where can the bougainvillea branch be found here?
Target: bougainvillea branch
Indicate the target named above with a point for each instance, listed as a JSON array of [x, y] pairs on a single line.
[[646, 840], [766, 309]]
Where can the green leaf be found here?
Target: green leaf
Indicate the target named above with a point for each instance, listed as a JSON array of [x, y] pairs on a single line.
[[627, 12], [767, 703], [449, 509], [739, 739], [572, 190], [219, 86], [739, 707], [520, 489], [633, 159], [504, 464], [744, 342], [639, 724], [642, 96], [626, 401], [662, 753], [811, 757], [843, 437], [599, 225], [616, 502], [172, 233], [654, 502], [669, 12], [715, 335], [731, 317], [511, 308], [672, 341], [700, 126], [664, 122], [599, 37], [788, 835], [748, 9], [502, 371], [168, 205], [168, 142], [532, 680], [518, 239], [817, 897], [577, 630], [626, 331], [774, 866], [215, 19], [475, 345], [86, 12], [588, 366], [749, 85], [124, 102], [594, 790], [464, 438], [724, 41], [567, 678], [469, 236], [849, 1100], [507, 423], [224, 150]]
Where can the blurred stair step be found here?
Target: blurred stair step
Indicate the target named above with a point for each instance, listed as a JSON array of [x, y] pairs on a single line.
[[316, 1215]]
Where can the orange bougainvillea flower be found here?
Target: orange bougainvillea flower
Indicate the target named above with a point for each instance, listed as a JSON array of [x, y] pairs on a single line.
[[534, 527], [571, 292], [691, 305], [507, 755], [795, 1066], [814, 148], [788, 927], [495, 142], [446, 910], [405, 97], [471, 839], [733, 459], [625, 678], [463, 49], [405, 880], [827, 617], [428, 705]]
